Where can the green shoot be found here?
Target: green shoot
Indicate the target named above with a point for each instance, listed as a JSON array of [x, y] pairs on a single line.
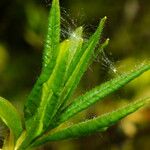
[[46, 108]]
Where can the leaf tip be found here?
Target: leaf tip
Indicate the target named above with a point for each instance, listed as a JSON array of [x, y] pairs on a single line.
[[105, 17]]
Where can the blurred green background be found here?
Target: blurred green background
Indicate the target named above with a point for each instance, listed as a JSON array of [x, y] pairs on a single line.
[[22, 31]]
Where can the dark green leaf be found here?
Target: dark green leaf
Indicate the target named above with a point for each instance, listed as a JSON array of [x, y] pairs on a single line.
[[53, 35], [101, 48], [98, 93], [50, 56], [92, 125]]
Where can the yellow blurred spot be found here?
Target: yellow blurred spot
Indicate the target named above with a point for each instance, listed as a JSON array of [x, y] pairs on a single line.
[[3, 57]]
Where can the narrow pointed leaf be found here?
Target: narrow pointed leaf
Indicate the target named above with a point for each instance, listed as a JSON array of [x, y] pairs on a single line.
[[92, 125], [75, 44], [50, 97], [101, 48], [99, 93], [53, 34], [53, 87], [49, 61], [10, 117], [81, 62], [50, 93], [76, 41]]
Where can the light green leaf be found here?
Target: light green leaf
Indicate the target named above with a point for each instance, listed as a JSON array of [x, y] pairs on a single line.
[[98, 93], [49, 61], [50, 98], [10, 117], [53, 87], [74, 46], [80, 62], [76, 41], [92, 125]]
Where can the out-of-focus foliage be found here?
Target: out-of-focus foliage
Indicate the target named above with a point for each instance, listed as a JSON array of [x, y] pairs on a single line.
[[22, 31]]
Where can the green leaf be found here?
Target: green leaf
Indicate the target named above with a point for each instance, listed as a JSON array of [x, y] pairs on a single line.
[[53, 34], [101, 48], [98, 93], [80, 62], [53, 87], [75, 44], [92, 125], [49, 61], [76, 41], [10, 117], [50, 98]]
